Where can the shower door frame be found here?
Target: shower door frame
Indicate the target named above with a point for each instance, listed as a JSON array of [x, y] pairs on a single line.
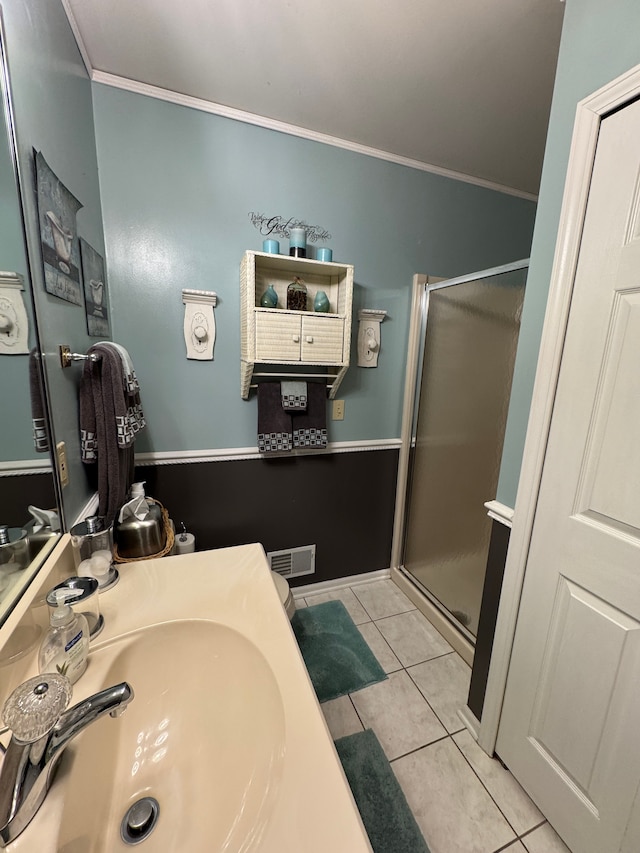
[[423, 286]]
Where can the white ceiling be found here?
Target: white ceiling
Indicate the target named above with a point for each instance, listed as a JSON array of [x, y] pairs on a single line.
[[461, 85]]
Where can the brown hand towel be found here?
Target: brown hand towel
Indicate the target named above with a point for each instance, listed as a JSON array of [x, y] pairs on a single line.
[[38, 416], [310, 427], [135, 420], [274, 424]]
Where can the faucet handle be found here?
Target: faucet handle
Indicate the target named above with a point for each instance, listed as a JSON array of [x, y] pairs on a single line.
[[34, 707]]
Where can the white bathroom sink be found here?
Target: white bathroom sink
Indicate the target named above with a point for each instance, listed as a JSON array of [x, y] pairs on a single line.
[[204, 737], [224, 730]]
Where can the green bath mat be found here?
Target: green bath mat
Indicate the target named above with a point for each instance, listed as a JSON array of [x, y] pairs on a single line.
[[386, 815], [335, 653]]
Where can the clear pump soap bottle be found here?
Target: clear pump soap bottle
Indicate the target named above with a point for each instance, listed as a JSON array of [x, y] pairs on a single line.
[[66, 644]]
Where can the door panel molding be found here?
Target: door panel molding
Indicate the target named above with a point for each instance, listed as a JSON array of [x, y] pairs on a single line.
[[589, 115], [592, 684]]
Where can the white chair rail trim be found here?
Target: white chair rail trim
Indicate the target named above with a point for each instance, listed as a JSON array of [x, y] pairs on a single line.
[[500, 512], [186, 457]]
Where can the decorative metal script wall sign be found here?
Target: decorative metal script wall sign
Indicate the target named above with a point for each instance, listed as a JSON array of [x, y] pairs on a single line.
[[268, 225]]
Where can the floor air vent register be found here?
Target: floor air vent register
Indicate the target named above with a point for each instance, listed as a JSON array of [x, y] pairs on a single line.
[[293, 562]]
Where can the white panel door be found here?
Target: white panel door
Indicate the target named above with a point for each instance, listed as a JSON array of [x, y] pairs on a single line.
[[570, 728]]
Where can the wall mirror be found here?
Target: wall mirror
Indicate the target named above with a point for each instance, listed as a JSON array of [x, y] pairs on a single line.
[[54, 117], [26, 476]]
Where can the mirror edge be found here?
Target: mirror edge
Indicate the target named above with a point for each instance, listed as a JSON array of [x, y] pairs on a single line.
[[26, 577]]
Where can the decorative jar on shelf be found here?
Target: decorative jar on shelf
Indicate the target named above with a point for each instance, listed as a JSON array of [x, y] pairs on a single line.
[[297, 295]]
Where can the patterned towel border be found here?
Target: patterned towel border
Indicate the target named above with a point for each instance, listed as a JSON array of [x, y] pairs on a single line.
[[274, 442], [294, 402], [293, 394], [310, 437]]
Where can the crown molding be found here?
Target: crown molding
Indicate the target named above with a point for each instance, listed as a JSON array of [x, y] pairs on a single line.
[[156, 92], [66, 5]]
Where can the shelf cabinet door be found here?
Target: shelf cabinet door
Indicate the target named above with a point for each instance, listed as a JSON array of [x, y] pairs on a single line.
[[322, 340], [277, 336]]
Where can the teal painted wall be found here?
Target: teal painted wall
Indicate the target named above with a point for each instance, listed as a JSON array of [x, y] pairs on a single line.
[[53, 113], [177, 187], [599, 42], [15, 419]]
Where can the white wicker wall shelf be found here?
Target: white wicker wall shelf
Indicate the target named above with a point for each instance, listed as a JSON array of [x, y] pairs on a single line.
[[307, 345]]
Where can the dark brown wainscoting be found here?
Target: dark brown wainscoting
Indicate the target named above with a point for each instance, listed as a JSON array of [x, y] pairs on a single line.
[[17, 493], [496, 559], [341, 502]]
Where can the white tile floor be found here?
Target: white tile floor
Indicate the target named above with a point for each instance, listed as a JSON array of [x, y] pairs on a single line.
[[463, 801]]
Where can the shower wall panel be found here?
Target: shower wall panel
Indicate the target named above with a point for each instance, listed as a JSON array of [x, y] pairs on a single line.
[[469, 352]]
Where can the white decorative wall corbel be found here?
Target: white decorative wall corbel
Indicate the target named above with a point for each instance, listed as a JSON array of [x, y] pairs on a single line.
[[14, 325], [199, 323], [369, 336]]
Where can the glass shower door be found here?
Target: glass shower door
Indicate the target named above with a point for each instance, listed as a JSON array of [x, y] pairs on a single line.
[[471, 334]]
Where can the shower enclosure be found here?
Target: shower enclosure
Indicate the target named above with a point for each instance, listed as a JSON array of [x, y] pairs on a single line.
[[466, 344]]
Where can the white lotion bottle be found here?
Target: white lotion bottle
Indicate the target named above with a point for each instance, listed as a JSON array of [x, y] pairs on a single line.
[[65, 647]]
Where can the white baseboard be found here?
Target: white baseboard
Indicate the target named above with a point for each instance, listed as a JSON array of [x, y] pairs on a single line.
[[471, 722], [339, 583]]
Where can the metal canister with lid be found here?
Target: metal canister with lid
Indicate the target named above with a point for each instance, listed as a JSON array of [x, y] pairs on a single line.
[[137, 538], [89, 536], [14, 550]]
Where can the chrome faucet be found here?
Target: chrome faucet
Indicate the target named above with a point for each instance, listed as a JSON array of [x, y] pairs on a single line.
[[32, 756]]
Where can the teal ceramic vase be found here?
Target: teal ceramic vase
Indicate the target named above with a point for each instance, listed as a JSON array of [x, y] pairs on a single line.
[[321, 302], [269, 298]]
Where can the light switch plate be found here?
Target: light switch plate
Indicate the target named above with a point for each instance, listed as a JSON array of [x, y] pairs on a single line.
[[338, 410], [61, 456]]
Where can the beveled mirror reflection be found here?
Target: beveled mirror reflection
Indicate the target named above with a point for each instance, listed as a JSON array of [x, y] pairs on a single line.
[[26, 474], [48, 108]]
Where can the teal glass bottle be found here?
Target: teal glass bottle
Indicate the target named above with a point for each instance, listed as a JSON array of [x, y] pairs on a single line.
[[269, 298], [321, 302]]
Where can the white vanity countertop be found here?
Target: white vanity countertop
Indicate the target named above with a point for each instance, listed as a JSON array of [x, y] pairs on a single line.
[[313, 809]]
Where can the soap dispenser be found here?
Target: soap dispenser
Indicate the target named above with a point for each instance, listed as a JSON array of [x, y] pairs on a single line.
[[66, 644]]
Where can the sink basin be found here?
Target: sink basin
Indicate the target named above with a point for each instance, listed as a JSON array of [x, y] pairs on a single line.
[[225, 730], [204, 736]]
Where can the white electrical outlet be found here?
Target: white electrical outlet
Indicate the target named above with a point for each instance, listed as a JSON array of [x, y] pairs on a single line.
[[63, 471], [338, 410]]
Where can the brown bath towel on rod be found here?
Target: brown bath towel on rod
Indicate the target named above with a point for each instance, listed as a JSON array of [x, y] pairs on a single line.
[[106, 440]]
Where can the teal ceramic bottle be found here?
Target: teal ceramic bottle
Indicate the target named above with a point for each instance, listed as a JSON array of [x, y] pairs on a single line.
[[269, 298], [321, 302]]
